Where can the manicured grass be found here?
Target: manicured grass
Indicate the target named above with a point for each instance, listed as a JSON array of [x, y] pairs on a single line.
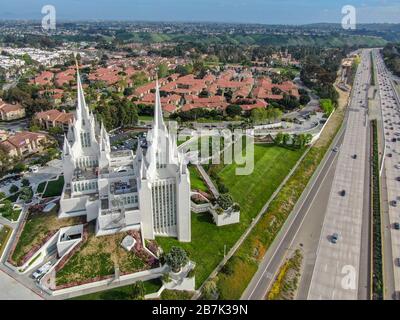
[[41, 186], [36, 229], [196, 181], [244, 263], [272, 164], [122, 293], [54, 188], [5, 233]]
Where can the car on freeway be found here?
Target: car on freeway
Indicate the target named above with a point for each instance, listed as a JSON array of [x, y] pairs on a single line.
[[335, 238], [335, 149]]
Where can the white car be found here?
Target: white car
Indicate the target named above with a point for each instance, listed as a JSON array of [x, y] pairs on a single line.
[[34, 169], [41, 271]]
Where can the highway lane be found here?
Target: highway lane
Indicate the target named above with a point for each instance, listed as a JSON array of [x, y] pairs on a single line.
[[337, 273], [390, 104], [271, 262]]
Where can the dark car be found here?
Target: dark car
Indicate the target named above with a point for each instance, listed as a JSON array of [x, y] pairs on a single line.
[[343, 193], [335, 238], [396, 226]]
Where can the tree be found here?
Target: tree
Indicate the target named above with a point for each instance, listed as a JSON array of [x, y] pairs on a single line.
[[285, 138], [162, 70], [54, 131], [14, 188], [176, 258], [327, 106], [26, 194], [25, 183], [233, 110], [138, 291], [279, 138]]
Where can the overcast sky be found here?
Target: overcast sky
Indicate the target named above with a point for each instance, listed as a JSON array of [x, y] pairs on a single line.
[[251, 11]]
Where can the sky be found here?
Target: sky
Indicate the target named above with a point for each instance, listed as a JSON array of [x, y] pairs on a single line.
[[243, 11]]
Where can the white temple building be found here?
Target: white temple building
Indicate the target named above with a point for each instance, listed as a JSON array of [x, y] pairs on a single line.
[[149, 190]]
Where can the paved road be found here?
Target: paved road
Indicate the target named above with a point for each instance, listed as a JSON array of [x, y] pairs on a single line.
[[337, 274], [390, 104], [268, 268], [10, 289]]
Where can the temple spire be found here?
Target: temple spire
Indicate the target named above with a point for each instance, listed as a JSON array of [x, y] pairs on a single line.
[[81, 107], [158, 114]]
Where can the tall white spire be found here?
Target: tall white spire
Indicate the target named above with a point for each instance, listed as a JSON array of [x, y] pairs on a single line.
[[158, 114]]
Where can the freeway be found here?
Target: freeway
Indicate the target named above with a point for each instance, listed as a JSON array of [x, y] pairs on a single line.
[[340, 271], [269, 267], [390, 106]]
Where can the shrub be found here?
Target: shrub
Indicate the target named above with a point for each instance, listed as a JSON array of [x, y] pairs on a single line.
[[225, 201], [176, 258], [13, 188]]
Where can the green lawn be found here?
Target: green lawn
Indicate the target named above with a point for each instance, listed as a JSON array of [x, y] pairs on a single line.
[[122, 293], [196, 180], [272, 164], [54, 188], [41, 186]]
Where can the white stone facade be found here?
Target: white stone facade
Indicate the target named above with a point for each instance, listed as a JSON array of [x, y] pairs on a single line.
[[149, 190]]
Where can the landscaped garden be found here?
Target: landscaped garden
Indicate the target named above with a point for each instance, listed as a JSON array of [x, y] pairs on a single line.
[[122, 293], [38, 228], [54, 187], [272, 164], [98, 256], [7, 211]]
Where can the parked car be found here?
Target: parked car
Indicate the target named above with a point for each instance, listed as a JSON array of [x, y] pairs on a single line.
[[39, 273], [343, 193], [396, 226]]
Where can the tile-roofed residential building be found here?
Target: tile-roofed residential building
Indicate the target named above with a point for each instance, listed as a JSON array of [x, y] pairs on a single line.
[[23, 144], [10, 112], [109, 75], [264, 89], [54, 118], [250, 104], [43, 79], [64, 77]]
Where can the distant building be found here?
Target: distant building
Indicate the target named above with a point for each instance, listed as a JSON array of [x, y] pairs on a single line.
[[10, 112], [23, 144], [54, 118]]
